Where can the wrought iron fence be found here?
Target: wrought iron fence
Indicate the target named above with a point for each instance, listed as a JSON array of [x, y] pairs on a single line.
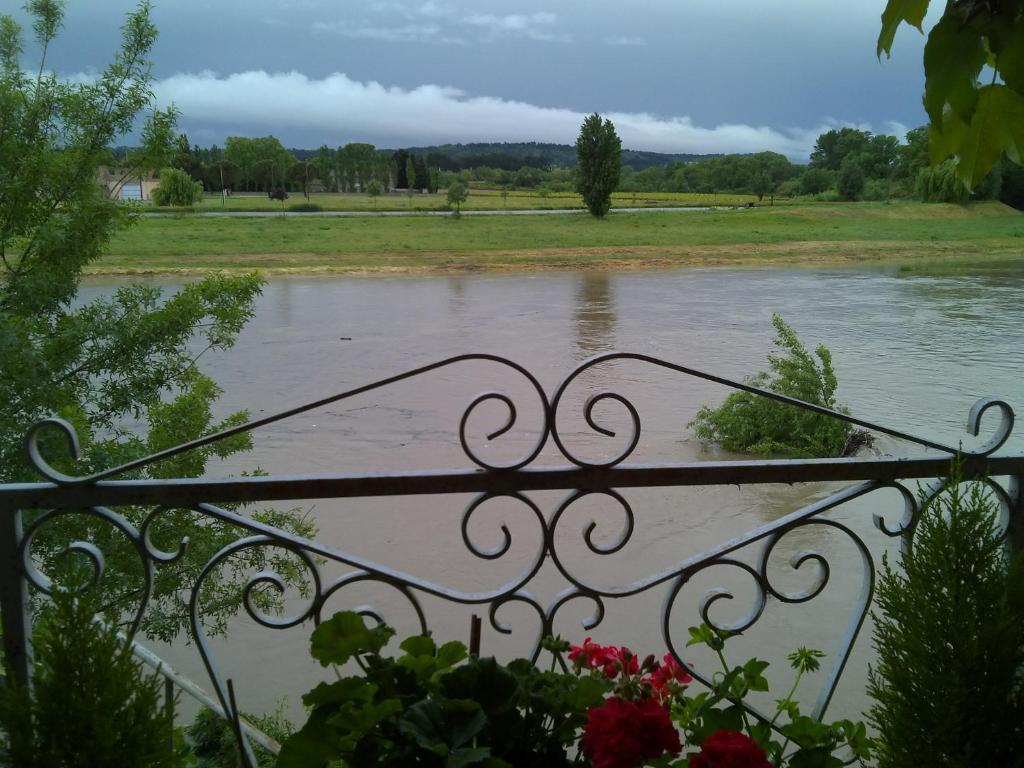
[[26, 509]]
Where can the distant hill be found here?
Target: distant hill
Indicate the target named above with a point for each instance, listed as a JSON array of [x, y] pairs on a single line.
[[512, 156]]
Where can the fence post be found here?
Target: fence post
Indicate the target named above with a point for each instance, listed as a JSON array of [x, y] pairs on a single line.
[[14, 607], [1015, 534]]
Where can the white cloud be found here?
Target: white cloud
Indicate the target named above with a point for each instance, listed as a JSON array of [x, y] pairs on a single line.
[[340, 109], [625, 40], [422, 25], [408, 33]]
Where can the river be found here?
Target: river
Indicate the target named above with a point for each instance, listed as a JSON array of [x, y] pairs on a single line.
[[912, 352]]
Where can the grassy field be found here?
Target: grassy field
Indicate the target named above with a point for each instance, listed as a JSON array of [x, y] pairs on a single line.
[[479, 200], [902, 234]]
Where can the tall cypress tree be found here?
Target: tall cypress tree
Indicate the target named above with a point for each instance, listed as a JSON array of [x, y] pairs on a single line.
[[598, 151], [950, 641]]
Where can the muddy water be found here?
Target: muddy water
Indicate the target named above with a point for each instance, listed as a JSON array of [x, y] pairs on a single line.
[[911, 353]]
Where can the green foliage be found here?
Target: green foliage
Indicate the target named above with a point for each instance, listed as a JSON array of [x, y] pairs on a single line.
[[749, 423], [305, 208], [970, 122], [598, 151], [177, 188], [458, 192], [213, 745], [815, 181], [113, 361], [90, 705], [806, 742], [434, 706], [949, 635], [851, 180], [373, 189], [941, 184], [262, 163]]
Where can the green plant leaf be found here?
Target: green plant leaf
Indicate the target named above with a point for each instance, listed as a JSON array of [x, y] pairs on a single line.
[[313, 746], [450, 654], [345, 635], [1010, 58], [484, 681], [419, 645], [895, 13], [953, 58], [996, 127], [346, 689]]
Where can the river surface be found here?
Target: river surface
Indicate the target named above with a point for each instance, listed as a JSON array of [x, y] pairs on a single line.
[[911, 352]]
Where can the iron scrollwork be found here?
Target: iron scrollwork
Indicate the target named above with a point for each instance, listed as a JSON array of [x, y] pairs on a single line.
[[675, 579]]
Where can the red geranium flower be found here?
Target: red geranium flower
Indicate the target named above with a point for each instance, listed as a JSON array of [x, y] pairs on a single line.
[[622, 734], [590, 655], [729, 749], [621, 659], [669, 671]]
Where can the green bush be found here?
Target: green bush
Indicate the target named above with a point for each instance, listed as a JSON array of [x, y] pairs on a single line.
[[305, 207], [851, 181], [877, 190], [950, 641], [815, 180], [941, 184], [177, 188], [90, 705], [749, 423], [213, 741]]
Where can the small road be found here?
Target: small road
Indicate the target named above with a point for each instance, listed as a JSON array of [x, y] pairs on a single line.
[[527, 212]]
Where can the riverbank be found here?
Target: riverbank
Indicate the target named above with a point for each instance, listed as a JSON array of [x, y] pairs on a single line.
[[903, 234]]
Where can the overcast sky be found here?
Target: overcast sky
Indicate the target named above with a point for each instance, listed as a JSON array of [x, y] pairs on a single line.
[[674, 75]]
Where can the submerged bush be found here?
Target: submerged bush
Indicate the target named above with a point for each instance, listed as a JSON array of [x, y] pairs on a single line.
[[749, 423], [950, 641]]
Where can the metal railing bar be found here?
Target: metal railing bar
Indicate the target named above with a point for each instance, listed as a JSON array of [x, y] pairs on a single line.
[[192, 689], [190, 491]]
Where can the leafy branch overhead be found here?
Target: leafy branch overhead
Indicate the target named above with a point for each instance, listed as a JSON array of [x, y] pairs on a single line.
[[971, 121]]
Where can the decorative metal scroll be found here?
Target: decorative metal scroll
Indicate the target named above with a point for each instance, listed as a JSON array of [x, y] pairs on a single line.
[[674, 579]]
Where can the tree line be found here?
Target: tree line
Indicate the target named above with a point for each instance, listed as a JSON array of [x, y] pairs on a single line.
[[845, 164]]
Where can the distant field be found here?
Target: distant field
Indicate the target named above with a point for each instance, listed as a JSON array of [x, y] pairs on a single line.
[[901, 234], [479, 200]]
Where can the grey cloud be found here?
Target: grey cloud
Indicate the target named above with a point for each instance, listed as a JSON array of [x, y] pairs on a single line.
[[339, 109]]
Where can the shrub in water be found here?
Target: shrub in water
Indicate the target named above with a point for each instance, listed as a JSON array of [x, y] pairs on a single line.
[[950, 641], [749, 423]]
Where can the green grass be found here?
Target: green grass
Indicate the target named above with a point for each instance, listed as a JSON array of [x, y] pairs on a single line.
[[479, 200], [899, 233]]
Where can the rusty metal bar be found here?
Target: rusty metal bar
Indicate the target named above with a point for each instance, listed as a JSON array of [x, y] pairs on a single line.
[[295, 487], [14, 605]]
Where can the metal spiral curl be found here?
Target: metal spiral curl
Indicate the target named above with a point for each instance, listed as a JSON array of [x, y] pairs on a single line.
[[1003, 430], [154, 552], [588, 415], [625, 534], [496, 552], [796, 562], [911, 511], [91, 553], [356, 577], [35, 456]]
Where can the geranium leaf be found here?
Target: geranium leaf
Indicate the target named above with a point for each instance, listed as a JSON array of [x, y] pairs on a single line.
[[345, 635]]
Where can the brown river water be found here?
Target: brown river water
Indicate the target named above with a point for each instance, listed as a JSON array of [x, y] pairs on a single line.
[[911, 352]]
